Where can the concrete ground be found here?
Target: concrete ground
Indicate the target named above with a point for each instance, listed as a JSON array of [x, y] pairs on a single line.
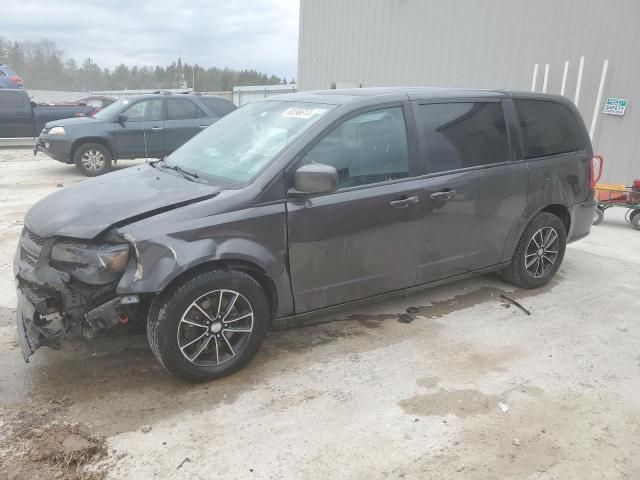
[[366, 397]]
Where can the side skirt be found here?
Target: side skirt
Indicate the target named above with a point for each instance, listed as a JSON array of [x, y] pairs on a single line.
[[310, 318]]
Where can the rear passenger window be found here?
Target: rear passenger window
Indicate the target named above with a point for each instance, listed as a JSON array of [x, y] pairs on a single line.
[[180, 109], [461, 135], [11, 100], [368, 148], [548, 128]]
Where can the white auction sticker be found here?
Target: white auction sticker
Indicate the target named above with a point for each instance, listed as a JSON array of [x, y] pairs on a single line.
[[302, 112]]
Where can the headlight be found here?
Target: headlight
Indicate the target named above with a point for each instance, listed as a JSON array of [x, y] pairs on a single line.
[[57, 131], [95, 264]]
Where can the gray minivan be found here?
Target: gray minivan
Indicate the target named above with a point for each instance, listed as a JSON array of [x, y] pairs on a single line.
[[303, 202]]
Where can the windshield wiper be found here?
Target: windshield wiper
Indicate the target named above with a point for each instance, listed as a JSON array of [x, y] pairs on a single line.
[[191, 176]]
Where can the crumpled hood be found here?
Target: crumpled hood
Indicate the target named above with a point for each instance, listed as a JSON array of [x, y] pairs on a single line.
[[89, 208], [65, 122]]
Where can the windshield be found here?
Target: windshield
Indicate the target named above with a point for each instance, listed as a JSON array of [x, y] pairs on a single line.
[[238, 146], [109, 113]]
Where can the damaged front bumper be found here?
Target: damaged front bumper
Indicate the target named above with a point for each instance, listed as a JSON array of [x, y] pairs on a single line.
[[52, 304], [38, 324]]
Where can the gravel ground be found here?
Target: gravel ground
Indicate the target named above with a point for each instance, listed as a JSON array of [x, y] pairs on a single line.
[[365, 397]]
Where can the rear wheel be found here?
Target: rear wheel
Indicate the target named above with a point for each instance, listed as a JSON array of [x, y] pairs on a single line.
[[92, 159], [210, 326], [598, 216], [539, 252]]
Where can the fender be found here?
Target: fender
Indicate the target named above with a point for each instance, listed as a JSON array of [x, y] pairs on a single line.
[[531, 210], [162, 258], [556, 183]]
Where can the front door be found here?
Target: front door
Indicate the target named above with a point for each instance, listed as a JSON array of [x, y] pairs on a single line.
[[363, 239], [473, 193], [142, 134], [15, 115]]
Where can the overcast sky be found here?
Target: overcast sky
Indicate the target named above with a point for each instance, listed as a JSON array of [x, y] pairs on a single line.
[[258, 34]]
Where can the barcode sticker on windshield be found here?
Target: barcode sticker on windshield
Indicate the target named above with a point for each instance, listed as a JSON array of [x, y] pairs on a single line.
[[302, 112]]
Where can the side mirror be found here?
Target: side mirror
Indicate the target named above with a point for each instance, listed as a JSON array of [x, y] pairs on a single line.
[[315, 178], [122, 117]]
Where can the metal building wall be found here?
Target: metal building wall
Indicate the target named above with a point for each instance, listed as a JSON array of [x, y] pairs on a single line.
[[485, 44]]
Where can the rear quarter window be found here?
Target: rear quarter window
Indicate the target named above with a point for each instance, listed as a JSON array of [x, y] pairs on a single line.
[[218, 106], [548, 128]]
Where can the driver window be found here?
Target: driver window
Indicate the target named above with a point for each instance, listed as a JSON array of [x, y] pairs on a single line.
[[368, 148], [145, 110]]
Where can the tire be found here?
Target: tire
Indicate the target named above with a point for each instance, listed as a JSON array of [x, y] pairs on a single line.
[[635, 219], [517, 272], [92, 159], [598, 216], [175, 325]]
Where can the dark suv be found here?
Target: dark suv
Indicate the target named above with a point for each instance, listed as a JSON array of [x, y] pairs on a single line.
[[302, 202], [145, 126]]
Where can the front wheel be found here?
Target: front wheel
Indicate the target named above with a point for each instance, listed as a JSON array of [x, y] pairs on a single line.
[[92, 159], [539, 252], [210, 326]]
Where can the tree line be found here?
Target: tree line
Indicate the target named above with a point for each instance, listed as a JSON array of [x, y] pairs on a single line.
[[43, 66]]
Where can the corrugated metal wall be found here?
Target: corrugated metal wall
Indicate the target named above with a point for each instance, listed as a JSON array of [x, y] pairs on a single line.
[[484, 44]]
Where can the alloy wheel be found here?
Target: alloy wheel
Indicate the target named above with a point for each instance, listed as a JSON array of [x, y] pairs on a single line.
[[93, 160], [542, 252], [215, 328]]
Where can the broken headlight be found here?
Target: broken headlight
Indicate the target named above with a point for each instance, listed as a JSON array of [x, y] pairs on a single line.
[[95, 264]]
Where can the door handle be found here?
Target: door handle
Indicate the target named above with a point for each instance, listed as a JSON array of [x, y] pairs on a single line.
[[404, 202], [447, 194], [21, 114], [156, 128], [203, 126]]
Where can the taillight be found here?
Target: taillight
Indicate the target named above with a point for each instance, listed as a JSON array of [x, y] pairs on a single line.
[[595, 172], [16, 79]]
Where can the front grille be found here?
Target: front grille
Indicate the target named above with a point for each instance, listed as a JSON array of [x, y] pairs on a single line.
[[35, 238], [28, 257], [30, 246]]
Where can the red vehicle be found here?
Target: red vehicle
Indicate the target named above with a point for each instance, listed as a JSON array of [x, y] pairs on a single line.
[[98, 102]]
